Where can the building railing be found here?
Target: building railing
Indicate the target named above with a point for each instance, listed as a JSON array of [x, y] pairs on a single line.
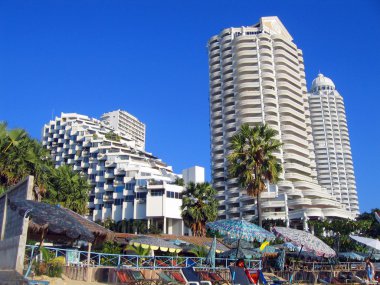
[[80, 258]]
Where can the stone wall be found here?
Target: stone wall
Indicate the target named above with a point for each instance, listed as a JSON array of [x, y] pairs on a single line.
[[13, 227]]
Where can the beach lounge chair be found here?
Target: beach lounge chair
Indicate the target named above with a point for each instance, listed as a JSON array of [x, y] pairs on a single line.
[[167, 279], [192, 277], [238, 276], [213, 277], [38, 282]]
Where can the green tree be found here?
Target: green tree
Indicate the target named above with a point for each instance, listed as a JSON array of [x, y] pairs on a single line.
[[20, 156], [252, 160], [112, 136], [199, 251], [179, 181], [198, 207], [69, 189], [138, 250]]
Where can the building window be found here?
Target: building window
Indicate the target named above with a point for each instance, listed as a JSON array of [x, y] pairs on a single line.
[[174, 195], [130, 186], [98, 206], [99, 195], [119, 189], [108, 205], [141, 195], [157, 192], [118, 202], [129, 198]]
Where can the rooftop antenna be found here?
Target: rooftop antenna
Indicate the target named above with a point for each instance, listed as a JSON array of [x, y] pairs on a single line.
[[52, 114]]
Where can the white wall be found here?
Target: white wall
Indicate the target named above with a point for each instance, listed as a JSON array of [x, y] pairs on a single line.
[[194, 174]]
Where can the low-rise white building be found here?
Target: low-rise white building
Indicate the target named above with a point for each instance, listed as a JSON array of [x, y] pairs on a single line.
[[127, 182]]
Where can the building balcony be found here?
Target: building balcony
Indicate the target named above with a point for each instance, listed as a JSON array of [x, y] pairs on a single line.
[[109, 175]]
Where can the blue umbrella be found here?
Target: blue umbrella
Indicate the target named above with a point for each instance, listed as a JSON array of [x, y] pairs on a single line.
[[210, 259], [240, 229]]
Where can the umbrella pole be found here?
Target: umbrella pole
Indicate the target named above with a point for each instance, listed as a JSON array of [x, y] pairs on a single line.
[[237, 250], [299, 253], [88, 261], [371, 253]]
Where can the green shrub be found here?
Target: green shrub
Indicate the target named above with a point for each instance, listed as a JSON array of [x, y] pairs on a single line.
[[55, 266]]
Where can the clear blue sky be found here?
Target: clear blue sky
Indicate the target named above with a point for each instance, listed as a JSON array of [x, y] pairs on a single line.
[[150, 58]]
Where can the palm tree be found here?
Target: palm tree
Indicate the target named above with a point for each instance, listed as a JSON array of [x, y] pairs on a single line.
[[138, 250], [199, 251], [68, 188], [198, 207], [252, 160]]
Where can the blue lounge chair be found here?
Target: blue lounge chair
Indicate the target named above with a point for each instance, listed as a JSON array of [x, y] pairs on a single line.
[[192, 277]]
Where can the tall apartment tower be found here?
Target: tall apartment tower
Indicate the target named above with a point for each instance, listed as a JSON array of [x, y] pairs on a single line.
[[127, 124], [332, 143], [256, 76]]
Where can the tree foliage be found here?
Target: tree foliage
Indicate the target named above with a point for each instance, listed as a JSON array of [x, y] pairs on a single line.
[[198, 207], [21, 155], [68, 188], [335, 232], [252, 160]]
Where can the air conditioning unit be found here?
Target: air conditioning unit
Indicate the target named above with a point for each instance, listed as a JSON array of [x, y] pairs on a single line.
[[140, 201]]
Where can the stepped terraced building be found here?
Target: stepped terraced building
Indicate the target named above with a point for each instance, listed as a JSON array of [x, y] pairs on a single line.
[[127, 182], [256, 75], [332, 143]]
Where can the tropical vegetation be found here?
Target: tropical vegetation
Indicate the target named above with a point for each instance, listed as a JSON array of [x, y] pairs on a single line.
[[199, 206], [253, 161], [335, 232], [21, 155]]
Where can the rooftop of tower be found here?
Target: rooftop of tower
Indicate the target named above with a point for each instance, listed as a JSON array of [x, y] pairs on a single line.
[[322, 83]]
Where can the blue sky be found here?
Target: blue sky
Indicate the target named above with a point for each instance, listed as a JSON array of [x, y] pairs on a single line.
[[150, 58]]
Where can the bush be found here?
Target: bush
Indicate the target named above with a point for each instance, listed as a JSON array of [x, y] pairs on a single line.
[[55, 266]]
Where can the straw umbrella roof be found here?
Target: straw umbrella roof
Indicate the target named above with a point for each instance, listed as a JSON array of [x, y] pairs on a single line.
[[58, 224]]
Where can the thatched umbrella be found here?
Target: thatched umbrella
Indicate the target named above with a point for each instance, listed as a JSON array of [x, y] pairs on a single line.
[[51, 220]]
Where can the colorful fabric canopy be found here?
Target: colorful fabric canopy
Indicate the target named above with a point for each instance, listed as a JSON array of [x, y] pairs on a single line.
[[219, 246], [155, 244], [373, 243], [307, 241], [240, 229]]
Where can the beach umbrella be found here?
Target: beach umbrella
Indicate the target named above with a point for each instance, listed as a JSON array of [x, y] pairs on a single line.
[[377, 216], [219, 246], [280, 261], [351, 255], [305, 240], [370, 242], [52, 220], [155, 244], [241, 253], [210, 259], [240, 229]]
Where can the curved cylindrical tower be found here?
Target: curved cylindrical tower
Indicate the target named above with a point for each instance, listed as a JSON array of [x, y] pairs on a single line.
[[257, 75], [332, 143]]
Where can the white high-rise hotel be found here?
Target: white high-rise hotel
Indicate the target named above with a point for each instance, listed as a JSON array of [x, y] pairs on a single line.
[[332, 144], [257, 75]]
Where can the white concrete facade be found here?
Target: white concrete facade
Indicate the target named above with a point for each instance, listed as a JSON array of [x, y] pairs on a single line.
[[127, 124], [257, 75], [127, 182], [332, 143], [195, 174]]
